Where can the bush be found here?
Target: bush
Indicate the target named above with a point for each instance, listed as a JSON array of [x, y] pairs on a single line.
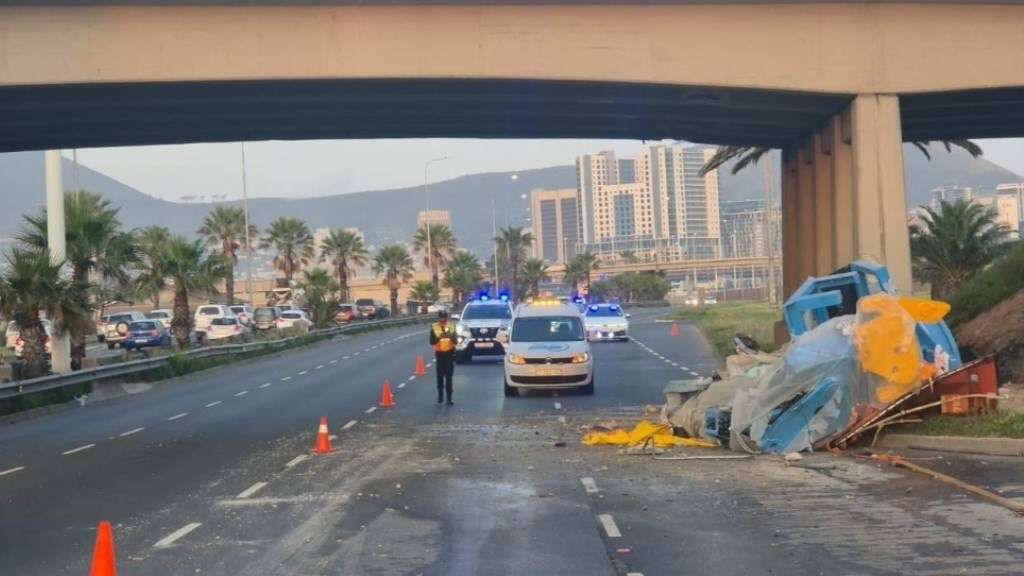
[[990, 287]]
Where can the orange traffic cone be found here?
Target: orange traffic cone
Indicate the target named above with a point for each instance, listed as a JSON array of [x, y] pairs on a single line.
[[675, 329], [323, 438], [387, 398], [421, 368], [103, 563]]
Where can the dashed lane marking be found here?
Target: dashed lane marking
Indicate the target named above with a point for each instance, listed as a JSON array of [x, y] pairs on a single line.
[[251, 490], [212, 404], [76, 450], [286, 378], [411, 378], [345, 357], [267, 385], [402, 385], [304, 372], [11, 470], [242, 393], [297, 460], [333, 362], [356, 353], [319, 366], [634, 574], [178, 534], [133, 431], [589, 485], [371, 410], [349, 424], [177, 416], [609, 525], [692, 373]]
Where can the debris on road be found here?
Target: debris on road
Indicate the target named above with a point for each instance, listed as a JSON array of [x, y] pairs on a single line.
[[644, 433], [1008, 503]]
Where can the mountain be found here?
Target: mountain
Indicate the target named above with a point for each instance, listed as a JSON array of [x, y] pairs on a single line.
[[387, 216]]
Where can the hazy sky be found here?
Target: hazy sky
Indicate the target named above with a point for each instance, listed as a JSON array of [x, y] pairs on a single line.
[[324, 167]]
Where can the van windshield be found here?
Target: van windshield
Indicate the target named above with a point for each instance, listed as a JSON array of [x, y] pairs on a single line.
[[487, 312], [547, 329]]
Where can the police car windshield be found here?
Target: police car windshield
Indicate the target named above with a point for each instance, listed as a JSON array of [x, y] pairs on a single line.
[[487, 312], [604, 311], [547, 329]]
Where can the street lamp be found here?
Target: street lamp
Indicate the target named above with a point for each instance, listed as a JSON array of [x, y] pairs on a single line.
[[426, 198]]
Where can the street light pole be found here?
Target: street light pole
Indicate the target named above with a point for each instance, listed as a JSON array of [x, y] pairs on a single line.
[[60, 353], [769, 225], [426, 198], [248, 240]]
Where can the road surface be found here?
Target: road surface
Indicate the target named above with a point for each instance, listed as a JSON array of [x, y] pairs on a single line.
[[212, 474]]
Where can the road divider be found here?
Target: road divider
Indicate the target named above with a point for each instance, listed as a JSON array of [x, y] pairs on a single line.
[[610, 528]]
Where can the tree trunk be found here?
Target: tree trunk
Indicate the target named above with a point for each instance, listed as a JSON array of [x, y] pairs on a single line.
[[181, 324], [394, 302], [77, 334], [156, 299], [33, 351], [229, 282], [343, 280]]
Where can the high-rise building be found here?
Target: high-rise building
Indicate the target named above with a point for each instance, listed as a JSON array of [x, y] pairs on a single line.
[[951, 194], [555, 221], [592, 171], [434, 217], [743, 229], [1008, 196]]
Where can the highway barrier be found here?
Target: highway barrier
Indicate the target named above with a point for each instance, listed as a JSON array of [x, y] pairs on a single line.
[[133, 367]]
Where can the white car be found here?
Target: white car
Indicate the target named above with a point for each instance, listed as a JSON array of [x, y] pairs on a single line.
[[207, 312], [547, 348], [244, 313], [606, 322], [19, 344], [295, 319], [225, 327]]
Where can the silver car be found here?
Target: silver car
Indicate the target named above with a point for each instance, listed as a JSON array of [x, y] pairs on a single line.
[[606, 322]]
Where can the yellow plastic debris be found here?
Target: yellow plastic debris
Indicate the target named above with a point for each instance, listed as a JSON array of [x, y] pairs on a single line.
[[887, 346], [924, 310], [644, 432]]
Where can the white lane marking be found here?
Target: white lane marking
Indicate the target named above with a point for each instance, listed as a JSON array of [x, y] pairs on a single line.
[[411, 378], [692, 373], [609, 525], [589, 485], [212, 404], [12, 470], [634, 574], [682, 367], [674, 364], [357, 353], [178, 534], [286, 378], [177, 416], [558, 405], [304, 372], [130, 432], [267, 385], [319, 366], [371, 410], [79, 449], [349, 424], [294, 461], [251, 490], [346, 357], [561, 419], [429, 364], [242, 393], [333, 362], [402, 385]]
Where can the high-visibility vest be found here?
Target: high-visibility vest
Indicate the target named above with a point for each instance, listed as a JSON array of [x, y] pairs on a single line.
[[445, 344]]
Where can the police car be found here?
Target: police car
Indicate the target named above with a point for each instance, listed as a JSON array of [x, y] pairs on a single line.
[[478, 327], [547, 348], [606, 322]]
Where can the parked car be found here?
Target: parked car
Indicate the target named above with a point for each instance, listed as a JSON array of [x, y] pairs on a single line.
[[244, 313], [115, 326], [372, 309], [19, 344], [347, 313], [147, 334], [295, 319], [225, 327], [206, 313], [163, 315], [266, 318], [11, 334]]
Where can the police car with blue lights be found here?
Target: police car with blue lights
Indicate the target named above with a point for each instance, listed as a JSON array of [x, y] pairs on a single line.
[[478, 327], [606, 322]]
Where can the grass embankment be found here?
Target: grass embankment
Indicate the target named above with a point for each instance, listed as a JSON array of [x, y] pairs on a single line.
[[720, 322], [996, 425]]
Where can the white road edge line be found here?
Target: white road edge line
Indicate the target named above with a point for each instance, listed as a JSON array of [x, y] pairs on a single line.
[[177, 416], [609, 525], [133, 431], [294, 461], [12, 470], [212, 404], [371, 410], [349, 424], [178, 534], [589, 485], [251, 490], [267, 385], [79, 449], [242, 393]]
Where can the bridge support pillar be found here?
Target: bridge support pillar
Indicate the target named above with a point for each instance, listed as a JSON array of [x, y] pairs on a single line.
[[843, 195]]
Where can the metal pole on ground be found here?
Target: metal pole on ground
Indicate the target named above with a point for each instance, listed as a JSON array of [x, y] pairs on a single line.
[[61, 345]]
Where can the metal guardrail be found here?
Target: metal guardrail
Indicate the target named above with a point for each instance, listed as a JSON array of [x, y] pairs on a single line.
[[55, 381]]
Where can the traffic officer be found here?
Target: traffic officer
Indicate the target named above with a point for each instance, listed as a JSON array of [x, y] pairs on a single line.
[[442, 338]]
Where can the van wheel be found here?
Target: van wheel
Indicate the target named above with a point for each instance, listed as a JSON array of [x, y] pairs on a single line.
[[511, 391], [589, 388]]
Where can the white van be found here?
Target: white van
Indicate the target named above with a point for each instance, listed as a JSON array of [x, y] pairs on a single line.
[[547, 348]]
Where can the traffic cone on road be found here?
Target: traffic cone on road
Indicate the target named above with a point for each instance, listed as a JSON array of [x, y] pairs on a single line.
[[421, 368], [675, 329], [323, 438], [103, 563], [387, 398]]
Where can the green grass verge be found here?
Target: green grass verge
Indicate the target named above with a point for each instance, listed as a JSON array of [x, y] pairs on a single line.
[[990, 287], [996, 425], [40, 399], [720, 322]]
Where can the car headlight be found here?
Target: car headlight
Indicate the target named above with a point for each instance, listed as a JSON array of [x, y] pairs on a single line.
[[461, 330], [516, 359], [580, 358]]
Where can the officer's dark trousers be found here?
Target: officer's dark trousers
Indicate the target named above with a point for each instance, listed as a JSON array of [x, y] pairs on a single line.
[[445, 369]]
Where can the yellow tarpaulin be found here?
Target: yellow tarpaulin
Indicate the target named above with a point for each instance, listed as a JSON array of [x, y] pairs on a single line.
[[644, 432]]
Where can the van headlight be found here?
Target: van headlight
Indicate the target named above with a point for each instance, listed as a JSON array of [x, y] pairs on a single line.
[[580, 358], [516, 359]]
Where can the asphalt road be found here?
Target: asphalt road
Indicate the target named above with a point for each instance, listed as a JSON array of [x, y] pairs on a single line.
[[213, 474]]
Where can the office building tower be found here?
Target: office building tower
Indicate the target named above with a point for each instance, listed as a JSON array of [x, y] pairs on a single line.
[[554, 217]]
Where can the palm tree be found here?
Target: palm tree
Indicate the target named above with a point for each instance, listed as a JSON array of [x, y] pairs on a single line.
[[293, 242], [151, 279], [30, 284], [224, 226], [513, 241], [954, 243], [535, 271], [395, 264], [425, 292], [96, 247], [583, 266], [442, 246], [190, 268], [319, 292], [346, 249], [463, 275], [747, 155]]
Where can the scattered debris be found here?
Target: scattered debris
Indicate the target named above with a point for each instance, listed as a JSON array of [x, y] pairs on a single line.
[[793, 457], [1013, 505], [659, 435]]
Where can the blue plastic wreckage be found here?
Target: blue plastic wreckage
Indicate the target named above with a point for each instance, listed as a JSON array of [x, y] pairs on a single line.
[[856, 348]]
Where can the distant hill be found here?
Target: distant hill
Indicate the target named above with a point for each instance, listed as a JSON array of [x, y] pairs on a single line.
[[390, 215]]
